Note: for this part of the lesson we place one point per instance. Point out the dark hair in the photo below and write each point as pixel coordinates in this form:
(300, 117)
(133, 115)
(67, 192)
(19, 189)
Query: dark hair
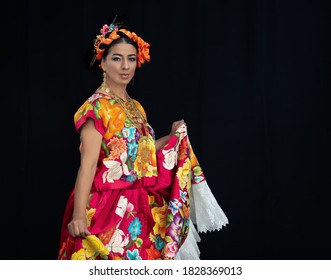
(122, 39)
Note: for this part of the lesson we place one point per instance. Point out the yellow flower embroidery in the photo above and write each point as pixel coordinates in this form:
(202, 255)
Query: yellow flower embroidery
(94, 246)
(89, 215)
(184, 174)
(145, 163)
(151, 199)
(79, 255)
(159, 216)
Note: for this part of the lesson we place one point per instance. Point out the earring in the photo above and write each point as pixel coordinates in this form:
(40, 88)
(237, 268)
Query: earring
(104, 77)
(104, 85)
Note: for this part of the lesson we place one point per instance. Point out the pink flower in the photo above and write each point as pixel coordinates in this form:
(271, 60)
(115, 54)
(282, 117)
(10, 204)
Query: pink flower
(104, 29)
(129, 207)
(171, 249)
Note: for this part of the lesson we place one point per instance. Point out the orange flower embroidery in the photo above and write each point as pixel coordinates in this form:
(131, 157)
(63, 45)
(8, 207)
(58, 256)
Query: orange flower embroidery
(117, 146)
(153, 253)
(107, 235)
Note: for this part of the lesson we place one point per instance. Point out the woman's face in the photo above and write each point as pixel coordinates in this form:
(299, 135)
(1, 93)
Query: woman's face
(120, 64)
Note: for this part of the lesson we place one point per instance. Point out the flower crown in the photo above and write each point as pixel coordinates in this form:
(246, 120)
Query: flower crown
(111, 32)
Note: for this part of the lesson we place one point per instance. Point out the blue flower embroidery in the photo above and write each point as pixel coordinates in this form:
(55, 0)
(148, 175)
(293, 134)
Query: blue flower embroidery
(133, 255)
(183, 195)
(174, 205)
(131, 178)
(129, 133)
(132, 150)
(135, 228)
(159, 243)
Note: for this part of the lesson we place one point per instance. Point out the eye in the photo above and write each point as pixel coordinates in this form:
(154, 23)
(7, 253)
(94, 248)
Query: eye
(116, 58)
(133, 58)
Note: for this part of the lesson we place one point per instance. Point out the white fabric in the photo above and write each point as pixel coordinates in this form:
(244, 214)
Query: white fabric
(204, 209)
(206, 214)
(189, 250)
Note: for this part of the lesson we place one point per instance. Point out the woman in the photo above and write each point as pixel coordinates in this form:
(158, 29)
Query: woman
(135, 197)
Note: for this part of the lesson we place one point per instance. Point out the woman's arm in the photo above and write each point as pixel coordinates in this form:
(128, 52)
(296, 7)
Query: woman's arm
(90, 149)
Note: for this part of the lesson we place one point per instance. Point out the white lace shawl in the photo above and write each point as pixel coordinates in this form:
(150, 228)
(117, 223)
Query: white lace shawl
(206, 214)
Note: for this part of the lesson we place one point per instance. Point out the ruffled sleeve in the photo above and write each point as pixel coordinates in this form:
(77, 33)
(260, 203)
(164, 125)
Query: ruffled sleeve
(199, 209)
(205, 210)
(92, 108)
(205, 215)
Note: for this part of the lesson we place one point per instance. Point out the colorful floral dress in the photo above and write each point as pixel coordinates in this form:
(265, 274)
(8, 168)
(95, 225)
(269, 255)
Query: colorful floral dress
(141, 203)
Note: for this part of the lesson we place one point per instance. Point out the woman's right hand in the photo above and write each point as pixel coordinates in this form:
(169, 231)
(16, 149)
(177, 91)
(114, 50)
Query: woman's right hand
(77, 227)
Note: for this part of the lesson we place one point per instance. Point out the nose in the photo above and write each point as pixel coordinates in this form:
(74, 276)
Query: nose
(125, 64)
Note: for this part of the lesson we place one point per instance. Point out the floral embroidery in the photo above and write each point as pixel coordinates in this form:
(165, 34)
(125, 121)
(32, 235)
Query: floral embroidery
(174, 206)
(145, 163)
(184, 173)
(175, 228)
(129, 209)
(153, 253)
(159, 215)
(115, 169)
(107, 235)
(135, 228)
(183, 195)
(133, 255)
(113, 118)
(118, 241)
(94, 247)
(132, 150)
(94, 96)
(117, 147)
(129, 133)
(159, 243)
(171, 249)
(170, 158)
(121, 206)
(89, 215)
(120, 137)
(79, 255)
(186, 212)
(197, 174)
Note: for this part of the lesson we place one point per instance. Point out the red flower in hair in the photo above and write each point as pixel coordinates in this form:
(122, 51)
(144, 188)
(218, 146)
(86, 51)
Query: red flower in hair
(143, 47)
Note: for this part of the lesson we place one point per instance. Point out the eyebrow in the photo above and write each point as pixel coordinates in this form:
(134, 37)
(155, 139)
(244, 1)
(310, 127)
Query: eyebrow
(122, 55)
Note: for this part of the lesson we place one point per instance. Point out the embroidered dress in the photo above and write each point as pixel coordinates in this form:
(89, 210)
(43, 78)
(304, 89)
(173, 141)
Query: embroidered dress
(143, 204)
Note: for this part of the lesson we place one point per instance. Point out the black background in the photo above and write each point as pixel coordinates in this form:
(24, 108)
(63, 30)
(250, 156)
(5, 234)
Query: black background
(250, 78)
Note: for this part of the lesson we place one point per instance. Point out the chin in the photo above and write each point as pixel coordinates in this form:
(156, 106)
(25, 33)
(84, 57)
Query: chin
(125, 83)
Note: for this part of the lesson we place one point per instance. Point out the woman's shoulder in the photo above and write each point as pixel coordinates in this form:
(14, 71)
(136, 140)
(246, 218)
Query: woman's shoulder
(96, 101)
(97, 95)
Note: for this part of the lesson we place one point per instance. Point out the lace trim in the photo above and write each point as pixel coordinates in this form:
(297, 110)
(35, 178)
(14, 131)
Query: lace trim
(190, 250)
(206, 214)
(204, 209)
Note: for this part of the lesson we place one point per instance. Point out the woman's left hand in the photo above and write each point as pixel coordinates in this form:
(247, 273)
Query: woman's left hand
(176, 125)
(163, 140)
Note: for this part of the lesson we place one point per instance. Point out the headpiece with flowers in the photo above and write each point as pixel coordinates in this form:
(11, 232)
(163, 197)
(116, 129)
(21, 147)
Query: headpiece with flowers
(111, 32)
